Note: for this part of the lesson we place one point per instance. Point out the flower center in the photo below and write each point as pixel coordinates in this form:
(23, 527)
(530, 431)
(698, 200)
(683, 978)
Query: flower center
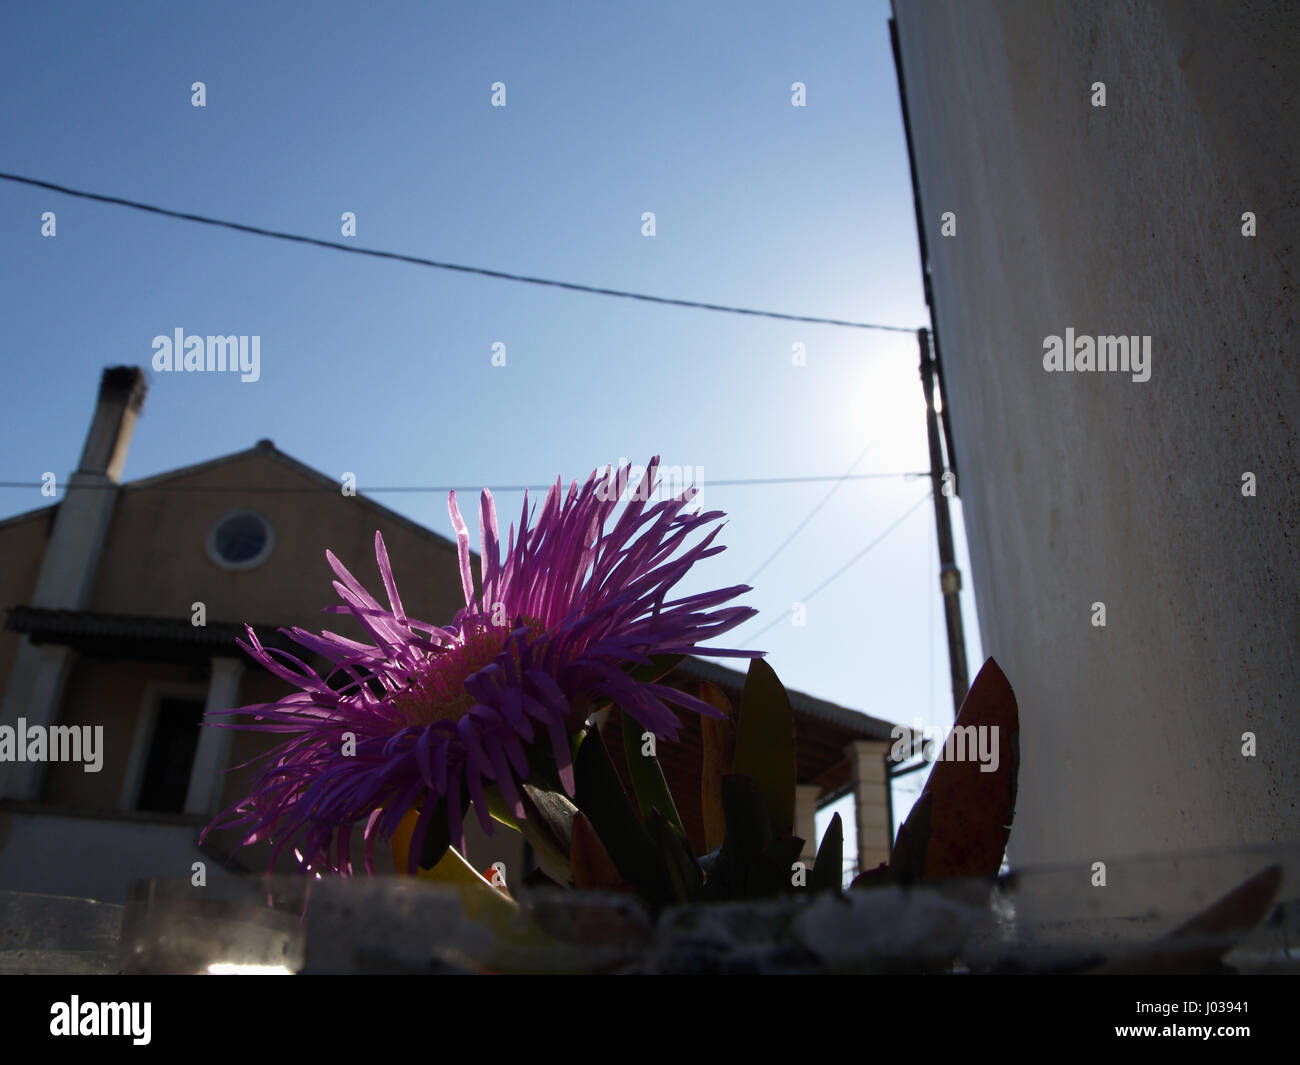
(438, 693)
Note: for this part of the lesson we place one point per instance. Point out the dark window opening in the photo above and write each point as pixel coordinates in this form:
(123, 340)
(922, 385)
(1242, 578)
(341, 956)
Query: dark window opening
(171, 755)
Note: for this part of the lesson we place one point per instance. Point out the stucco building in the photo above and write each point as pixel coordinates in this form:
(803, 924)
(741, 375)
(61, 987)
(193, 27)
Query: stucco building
(1126, 170)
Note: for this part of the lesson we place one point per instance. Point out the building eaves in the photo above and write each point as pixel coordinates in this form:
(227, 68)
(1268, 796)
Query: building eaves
(45, 625)
(862, 725)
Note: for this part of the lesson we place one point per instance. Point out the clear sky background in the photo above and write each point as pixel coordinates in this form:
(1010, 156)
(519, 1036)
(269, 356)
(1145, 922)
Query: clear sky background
(385, 370)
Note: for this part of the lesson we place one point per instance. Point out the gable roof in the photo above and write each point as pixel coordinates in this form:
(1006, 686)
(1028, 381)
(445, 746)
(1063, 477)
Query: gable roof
(262, 449)
(266, 449)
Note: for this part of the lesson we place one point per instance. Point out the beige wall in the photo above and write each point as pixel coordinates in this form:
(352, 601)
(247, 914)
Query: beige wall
(155, 563)
(108, 693)
(22, 546)
(155, 559)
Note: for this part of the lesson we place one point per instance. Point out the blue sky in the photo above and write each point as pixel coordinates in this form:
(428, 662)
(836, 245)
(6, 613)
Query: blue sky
(385, 370)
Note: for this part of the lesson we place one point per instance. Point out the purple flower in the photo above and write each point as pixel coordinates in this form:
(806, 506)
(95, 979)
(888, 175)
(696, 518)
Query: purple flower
(424, 715)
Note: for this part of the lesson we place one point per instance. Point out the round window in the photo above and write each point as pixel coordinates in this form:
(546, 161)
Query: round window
(241, 540)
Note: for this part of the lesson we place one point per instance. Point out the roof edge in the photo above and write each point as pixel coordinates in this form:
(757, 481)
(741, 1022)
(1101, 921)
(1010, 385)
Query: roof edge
(266, 449)
(29, 515)
(865, 725)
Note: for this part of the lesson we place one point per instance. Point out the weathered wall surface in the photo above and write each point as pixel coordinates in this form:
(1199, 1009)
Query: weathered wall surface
(1089, 487)
(155, 561)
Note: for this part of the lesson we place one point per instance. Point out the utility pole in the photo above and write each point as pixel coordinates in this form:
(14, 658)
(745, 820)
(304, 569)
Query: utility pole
(944, 485)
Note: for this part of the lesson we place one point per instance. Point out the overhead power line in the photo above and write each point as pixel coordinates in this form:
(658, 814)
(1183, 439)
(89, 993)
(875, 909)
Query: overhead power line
(440, 488)
(434, 264)
(844, 568)
(839, 481)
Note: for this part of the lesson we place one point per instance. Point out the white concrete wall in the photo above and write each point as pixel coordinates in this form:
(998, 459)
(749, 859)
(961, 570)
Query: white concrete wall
(1086, 488)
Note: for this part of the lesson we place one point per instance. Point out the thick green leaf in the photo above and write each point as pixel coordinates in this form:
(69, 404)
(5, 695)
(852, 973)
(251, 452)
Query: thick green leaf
(480, 900)
(606, 805)
(719, 739)
(437, 837)
(876, 877)
(752, 862)
(908, 862)
(749, 823)
(593, 869)
(499, 808)
(658, 668)
(684, 874)
(972, 810)
(542, 771)
(772, 873)
(648, 783)
(828, 869)
(960, 825)
(548, 828)
(765, 744)
(749, 830)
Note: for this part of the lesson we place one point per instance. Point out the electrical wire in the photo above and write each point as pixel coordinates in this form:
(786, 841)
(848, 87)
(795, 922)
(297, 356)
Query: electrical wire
(417, 260)
(443, 488)
(808, 517)
(844, 568)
